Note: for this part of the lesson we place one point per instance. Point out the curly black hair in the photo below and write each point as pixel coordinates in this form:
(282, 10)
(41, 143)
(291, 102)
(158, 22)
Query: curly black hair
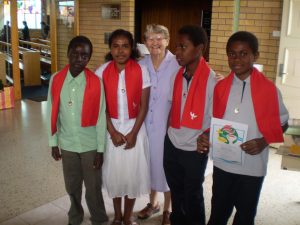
(196, 34)
(244, 36)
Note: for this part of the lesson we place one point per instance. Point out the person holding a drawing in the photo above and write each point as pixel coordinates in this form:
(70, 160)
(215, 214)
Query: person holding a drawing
(249, 113)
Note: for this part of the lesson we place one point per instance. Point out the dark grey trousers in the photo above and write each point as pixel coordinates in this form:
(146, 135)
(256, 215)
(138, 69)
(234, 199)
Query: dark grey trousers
(78, 168)
(234, 190)
(185, 175)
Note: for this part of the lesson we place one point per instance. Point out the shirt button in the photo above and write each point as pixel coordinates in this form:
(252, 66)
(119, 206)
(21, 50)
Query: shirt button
(73, 89)
(154, 87)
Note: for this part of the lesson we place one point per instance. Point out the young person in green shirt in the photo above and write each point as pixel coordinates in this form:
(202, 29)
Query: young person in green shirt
(77, 128)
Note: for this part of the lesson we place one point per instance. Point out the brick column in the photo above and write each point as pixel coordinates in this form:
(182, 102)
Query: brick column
(258, 17)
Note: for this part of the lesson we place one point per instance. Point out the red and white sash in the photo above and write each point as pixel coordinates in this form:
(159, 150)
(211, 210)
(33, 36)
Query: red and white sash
(133, 82)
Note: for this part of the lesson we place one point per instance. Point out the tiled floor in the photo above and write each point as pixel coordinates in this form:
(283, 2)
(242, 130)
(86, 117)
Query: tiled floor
(55, 213)
(32, 190)
(29, 177)
(31, 182)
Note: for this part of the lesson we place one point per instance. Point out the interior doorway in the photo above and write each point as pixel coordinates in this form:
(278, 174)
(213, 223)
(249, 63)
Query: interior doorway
(173, 14)
(288, 75)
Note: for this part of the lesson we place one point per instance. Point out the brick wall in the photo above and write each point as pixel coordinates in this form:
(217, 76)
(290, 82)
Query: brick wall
(221, 29)
(93, 26)
(259, 17)
(65, 32)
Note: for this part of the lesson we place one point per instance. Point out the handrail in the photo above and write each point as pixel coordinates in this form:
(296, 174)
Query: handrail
(24, 49)
(5, 43)
(9, 44)
(44, 58)
(46, 42)
(35, 44)
(27, 42)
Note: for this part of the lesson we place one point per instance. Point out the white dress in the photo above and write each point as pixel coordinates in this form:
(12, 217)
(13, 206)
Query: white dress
(126, 172)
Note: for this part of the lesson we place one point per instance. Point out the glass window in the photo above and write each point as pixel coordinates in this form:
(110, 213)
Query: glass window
(29, 11)
(6, 11)
(66, 12)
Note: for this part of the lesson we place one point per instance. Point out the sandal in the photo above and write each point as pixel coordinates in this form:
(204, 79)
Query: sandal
(134, 223)
(130, 222)
(148, 211)
(116, 222)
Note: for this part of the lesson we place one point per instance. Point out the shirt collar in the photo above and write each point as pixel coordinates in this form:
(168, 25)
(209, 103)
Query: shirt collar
(239, 81)
(168, 57)
(79, 79)
(188, 79)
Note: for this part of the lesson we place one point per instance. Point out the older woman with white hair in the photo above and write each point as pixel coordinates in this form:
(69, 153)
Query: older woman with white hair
(162, 65)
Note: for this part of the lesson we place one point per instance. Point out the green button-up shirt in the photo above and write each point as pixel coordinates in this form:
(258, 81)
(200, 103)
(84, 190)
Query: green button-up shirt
(70, 135)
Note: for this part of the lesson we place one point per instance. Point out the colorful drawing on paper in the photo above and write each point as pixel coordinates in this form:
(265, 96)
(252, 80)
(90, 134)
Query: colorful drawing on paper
(228, 135)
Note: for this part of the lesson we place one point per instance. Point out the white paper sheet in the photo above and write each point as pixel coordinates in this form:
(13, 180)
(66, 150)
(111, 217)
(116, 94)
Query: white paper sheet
(226, 138)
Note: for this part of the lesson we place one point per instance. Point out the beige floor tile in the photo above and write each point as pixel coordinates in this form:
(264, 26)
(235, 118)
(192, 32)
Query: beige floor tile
(63, 203)
(14, 221)
(42, 213)
(29, 177)
(59, 218)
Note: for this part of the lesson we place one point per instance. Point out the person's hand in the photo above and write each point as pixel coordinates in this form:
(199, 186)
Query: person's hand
(130, 140)
(118, 139)
(219, 77)
(56, 153)
(203, 143)
(98, 161)
(254, 146)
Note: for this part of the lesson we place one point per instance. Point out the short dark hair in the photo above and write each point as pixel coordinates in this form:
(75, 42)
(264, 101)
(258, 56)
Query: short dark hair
(135, 54)
(80, 40)
(244, 36)
(196, 34)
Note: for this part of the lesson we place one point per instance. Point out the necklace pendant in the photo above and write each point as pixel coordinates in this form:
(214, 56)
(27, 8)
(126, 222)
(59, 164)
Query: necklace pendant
(123, 90)
(236, 110)
(70, 103)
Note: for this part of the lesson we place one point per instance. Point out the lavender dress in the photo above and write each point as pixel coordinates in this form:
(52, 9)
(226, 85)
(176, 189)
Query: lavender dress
(156, 120)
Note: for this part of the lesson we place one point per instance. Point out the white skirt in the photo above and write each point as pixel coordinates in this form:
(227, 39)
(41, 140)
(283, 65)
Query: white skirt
(126, 172)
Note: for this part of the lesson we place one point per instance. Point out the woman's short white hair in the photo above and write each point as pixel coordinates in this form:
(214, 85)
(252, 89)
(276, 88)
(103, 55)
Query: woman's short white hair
(156, 29)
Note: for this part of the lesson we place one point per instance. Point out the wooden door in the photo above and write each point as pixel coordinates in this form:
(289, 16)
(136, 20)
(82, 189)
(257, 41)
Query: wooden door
(173, 14)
